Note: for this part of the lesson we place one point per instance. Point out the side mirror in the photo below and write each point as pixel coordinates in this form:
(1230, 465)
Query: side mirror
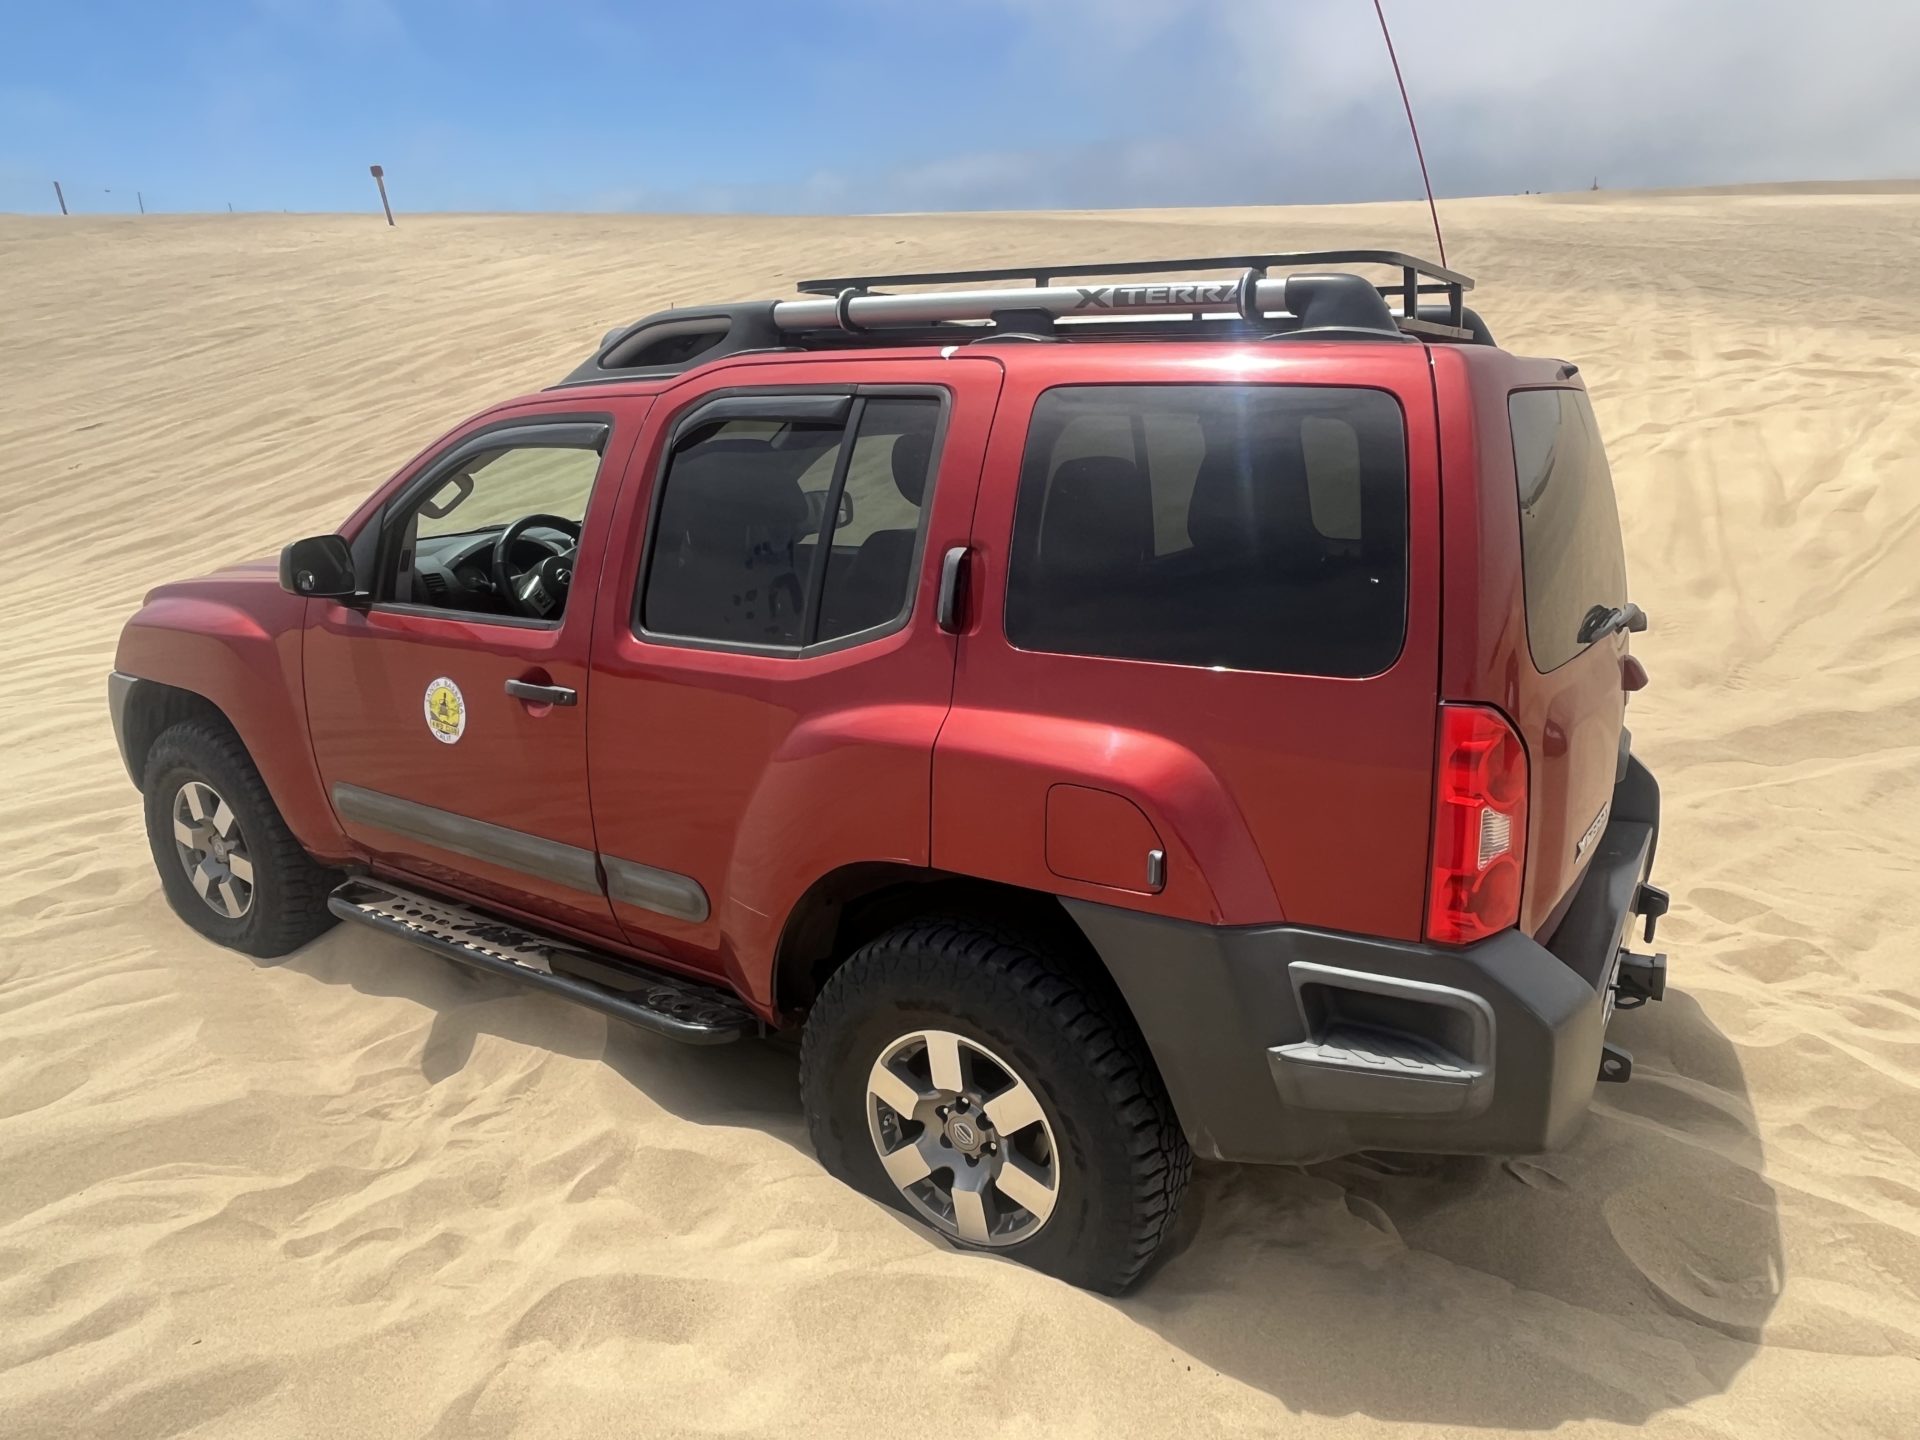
(320, 567)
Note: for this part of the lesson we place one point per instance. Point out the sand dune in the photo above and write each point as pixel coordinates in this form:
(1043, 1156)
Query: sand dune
(361, 1192)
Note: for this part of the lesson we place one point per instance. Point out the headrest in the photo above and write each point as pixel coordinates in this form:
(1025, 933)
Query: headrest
(1245, 495)
(912, 453)
(1099, 515)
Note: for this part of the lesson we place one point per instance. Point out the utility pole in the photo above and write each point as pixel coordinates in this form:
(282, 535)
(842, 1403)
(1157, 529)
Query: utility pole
(380, 179)
(142, 201)
(60, 197)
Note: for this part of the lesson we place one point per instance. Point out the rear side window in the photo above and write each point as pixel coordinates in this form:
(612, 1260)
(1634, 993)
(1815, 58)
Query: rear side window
(1569, 524)
(783, 534)
(1253, 527)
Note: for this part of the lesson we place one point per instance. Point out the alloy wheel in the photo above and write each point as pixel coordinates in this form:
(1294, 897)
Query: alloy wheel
(212, 849)
(963, 1137)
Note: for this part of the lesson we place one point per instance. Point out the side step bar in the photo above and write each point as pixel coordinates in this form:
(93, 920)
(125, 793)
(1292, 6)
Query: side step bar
(667, 1005)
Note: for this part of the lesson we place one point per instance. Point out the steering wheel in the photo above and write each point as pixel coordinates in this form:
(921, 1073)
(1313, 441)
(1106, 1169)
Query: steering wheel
(541, 590)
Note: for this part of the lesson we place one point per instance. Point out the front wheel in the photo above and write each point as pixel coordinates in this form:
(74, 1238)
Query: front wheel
(230, 867)
(951, 1071)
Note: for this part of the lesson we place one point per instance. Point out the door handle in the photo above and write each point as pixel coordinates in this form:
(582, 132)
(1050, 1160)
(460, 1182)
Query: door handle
(953, 585)
(541, 694)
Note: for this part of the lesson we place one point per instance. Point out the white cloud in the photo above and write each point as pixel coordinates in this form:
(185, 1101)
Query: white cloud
(1276, 100)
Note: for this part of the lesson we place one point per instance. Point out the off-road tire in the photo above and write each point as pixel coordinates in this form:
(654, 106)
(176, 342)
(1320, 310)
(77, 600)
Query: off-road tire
(1123, 1161)
(289, 899)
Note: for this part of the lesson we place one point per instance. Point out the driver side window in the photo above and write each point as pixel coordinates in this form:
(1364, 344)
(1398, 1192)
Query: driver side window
(495, 534)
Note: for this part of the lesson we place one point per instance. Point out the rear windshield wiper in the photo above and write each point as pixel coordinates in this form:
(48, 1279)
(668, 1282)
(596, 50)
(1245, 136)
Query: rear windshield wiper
(1605, 620)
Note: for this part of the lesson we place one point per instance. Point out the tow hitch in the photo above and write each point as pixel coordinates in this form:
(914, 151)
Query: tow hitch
(1639, 979)
(1636, 980)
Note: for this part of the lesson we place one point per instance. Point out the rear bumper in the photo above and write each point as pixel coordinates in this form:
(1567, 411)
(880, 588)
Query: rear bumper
(1283, 1044)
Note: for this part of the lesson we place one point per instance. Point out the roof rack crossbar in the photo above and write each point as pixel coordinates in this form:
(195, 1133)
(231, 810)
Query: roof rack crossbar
(1248, 296)
(864, 301)
(1045, 275)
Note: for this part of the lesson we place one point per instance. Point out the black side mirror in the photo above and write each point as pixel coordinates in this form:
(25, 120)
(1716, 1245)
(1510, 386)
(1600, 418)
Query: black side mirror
(318, 567)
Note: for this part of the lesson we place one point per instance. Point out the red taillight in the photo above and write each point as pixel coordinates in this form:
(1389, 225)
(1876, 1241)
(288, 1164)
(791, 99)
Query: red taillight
(1479, 826)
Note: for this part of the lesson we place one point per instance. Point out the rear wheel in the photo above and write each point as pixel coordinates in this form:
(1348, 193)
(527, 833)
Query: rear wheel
(228, 864)
(951, 1071)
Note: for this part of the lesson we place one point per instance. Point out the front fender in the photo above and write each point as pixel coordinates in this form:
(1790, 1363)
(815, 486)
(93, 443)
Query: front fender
(234, 640)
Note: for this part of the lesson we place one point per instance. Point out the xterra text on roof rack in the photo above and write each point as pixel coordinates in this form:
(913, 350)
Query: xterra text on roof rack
(1116, 720)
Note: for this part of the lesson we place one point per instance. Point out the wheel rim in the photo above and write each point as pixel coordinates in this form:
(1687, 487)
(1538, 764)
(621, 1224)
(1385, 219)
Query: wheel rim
(212, 849)
(963, 1137)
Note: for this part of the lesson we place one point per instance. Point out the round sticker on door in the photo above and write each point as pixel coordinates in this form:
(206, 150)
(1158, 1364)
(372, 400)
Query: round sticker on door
(446, 710)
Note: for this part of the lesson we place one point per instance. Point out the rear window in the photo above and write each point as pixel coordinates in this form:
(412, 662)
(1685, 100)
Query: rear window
(1569, 524)
(1252, 527)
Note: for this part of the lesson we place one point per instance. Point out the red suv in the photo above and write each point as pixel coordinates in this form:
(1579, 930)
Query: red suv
(1111, 721)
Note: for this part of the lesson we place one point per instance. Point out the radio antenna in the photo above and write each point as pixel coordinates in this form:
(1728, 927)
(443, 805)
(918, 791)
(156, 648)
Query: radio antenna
(1415, 129)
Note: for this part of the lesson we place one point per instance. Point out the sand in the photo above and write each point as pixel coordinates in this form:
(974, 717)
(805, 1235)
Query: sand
(362, 1192)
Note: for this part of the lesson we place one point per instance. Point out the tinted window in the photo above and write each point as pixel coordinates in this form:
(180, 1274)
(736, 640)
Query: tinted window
(1569, 524)
(1255, 527)
(785, 533)
(877, 524)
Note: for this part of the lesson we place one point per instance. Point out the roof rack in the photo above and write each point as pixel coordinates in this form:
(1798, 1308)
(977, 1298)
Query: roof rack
(854, 310)
(1417, 277)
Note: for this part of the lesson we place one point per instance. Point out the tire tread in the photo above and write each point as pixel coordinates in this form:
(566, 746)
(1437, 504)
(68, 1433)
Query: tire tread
(301, 885)
(978, 957)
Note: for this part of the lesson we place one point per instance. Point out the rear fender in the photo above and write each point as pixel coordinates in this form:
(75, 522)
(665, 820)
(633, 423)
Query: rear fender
(996, 778)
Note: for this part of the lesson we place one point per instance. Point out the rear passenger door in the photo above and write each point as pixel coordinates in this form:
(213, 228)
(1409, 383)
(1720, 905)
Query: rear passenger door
(1202, 671)
(769, 674)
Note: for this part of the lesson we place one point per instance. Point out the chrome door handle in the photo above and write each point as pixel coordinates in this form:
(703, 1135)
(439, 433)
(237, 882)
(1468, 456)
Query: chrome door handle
(541, 694)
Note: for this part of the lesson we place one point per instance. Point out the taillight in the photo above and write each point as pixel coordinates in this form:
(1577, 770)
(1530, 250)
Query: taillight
(1479, 826)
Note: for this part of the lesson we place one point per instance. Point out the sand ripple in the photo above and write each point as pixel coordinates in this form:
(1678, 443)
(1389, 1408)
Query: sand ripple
(362, 1193)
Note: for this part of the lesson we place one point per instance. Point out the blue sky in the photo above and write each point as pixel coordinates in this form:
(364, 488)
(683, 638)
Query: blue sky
(860, 105)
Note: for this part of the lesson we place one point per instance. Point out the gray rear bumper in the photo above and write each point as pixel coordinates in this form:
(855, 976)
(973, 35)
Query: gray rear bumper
(1285, 1044)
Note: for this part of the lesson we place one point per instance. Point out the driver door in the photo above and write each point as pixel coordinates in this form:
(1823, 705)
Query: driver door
(448, 716)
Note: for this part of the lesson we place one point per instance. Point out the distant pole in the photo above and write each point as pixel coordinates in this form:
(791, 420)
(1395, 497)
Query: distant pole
(380, 179)
(229, 207)
(142, 201)
(60, 197)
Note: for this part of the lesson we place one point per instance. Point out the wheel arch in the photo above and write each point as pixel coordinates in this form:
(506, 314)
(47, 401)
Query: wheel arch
(848, 906)
(145, 709)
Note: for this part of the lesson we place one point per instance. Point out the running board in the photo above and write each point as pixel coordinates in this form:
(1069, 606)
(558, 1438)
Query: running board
(679, 1009)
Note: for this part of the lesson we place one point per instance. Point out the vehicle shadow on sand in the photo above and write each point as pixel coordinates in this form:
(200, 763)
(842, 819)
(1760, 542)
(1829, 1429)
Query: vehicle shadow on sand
(1629, 1274)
